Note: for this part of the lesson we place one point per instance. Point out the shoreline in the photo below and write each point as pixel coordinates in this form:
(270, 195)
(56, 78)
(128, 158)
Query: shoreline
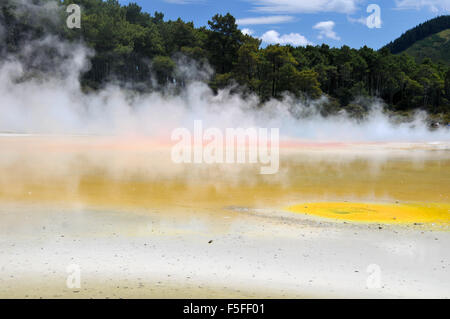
(128, 217)
(159, 255)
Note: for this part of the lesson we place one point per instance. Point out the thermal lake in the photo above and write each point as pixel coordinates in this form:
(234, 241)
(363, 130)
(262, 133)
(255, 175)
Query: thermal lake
(139, 225)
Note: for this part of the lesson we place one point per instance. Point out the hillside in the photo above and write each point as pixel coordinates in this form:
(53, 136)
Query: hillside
(427, 40)
(420, 32)
(436, 47)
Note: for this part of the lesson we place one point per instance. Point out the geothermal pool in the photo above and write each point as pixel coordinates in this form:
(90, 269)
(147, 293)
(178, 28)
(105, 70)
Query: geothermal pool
(332, 219)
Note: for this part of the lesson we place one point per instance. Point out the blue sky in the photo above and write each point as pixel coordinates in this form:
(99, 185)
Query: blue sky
(299, 22)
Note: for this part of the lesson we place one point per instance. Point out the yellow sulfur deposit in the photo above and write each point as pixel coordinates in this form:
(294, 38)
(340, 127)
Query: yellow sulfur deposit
(438, 213)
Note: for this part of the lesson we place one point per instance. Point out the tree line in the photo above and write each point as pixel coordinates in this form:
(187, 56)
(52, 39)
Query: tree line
(131, 45)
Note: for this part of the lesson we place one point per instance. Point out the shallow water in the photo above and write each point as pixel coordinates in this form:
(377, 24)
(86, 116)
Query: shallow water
(140, 226)
(137, 173)
(398, 213)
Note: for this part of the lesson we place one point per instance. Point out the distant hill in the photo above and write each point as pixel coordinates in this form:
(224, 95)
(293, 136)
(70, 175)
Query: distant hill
(436, 47)
(427, 40)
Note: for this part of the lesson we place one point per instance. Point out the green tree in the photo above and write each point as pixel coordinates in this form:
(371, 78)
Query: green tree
(163, 68)
(223, 42)
(275, 57)
(246, 67)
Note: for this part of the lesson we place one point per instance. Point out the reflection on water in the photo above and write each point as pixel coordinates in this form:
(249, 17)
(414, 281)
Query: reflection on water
(102, 172)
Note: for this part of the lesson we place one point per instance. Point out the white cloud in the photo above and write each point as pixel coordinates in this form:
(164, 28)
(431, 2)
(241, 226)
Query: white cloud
(295, 39)
(247, 31)
(265, 20)
(433, 5)
(306, 6)
(362, 20)
(326, 30)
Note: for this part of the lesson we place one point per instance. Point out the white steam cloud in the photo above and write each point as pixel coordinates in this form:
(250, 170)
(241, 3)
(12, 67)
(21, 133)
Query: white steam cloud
(52, 102)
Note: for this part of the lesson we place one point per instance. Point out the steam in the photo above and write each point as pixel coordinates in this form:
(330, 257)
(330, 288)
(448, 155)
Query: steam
(40, 93)
(40, 13)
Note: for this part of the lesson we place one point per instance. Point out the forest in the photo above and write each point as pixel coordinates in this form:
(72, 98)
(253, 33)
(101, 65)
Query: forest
(132, 46)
